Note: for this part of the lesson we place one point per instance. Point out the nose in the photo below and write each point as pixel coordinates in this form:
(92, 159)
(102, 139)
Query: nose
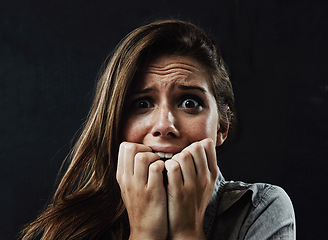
(165, 123)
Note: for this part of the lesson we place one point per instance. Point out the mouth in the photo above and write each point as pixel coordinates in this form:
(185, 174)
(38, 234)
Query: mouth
(164, 156)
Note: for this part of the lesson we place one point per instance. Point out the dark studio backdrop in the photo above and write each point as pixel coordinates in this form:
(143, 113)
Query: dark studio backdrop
(50, 54)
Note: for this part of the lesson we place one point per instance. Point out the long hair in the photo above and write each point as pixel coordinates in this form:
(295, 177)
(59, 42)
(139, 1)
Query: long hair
(87, 203)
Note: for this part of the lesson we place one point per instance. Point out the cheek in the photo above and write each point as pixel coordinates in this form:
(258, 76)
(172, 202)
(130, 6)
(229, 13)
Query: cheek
(130, 130)
(203, 127)
(133, 130)
(212, 129)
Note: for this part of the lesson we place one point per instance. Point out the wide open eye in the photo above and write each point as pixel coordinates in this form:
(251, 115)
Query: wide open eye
(190, 103)
(141, 104)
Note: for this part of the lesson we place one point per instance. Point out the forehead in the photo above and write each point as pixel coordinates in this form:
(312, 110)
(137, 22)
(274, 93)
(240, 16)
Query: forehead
(172, 69)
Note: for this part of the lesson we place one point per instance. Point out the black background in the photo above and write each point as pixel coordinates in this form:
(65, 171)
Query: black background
(51, 52)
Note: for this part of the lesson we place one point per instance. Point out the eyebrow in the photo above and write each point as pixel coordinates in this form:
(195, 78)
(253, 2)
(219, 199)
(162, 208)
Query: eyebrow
(180, 86)
(186, 87)
(143, 91)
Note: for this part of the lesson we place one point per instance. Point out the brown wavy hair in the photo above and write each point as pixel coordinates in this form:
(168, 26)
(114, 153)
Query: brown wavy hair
(87, 203)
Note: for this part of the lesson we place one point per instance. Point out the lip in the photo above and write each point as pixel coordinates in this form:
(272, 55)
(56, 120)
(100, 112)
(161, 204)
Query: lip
(166, 149)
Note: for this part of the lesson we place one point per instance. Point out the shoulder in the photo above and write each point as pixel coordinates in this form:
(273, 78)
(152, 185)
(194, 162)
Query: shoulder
(260, 192)
(257, 193)
(271, 215)
(255, 211)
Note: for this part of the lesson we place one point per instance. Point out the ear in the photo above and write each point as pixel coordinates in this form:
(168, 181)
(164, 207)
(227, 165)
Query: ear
(223, 129)
(222, 133)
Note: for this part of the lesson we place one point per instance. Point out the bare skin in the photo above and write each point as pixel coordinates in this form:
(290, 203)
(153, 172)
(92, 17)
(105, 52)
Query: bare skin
(173, 112)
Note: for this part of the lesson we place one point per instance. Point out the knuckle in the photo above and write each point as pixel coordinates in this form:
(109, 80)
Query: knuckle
(156, 167)
(130, 147)
(208, 142)
(187, 157)
(123, 145)
(119, 179)
(173, 166)
(197, 146)
(141, 158)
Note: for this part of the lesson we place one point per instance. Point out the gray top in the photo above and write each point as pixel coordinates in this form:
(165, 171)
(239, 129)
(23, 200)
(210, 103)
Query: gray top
(248, 211)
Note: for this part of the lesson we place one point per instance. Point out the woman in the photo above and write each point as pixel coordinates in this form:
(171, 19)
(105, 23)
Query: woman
(145, 164)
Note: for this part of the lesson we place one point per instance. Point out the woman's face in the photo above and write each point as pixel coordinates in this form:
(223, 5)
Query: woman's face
(171, 106)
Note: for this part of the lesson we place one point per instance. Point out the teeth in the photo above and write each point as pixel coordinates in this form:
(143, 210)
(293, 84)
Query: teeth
(161, 154)
(164, 155)
(168, 155)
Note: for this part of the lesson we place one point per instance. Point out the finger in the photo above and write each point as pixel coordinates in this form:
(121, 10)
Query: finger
(199, 157)
(174, 174)
(129, 152)
(155, 175)
(142, 162)
(120, 163)
(210, 151)
(187, 166)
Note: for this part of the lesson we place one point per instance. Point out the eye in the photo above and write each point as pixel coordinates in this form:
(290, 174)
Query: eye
(141, 104)
(189, 103)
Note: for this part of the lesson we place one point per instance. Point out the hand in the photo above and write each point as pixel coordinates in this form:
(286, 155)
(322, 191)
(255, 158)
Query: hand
(140, 176)
(191, 177)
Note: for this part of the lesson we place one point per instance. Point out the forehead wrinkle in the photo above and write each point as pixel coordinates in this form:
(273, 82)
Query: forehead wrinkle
(170, 68)
(171, 71)
(171, 79)
(158, 81)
